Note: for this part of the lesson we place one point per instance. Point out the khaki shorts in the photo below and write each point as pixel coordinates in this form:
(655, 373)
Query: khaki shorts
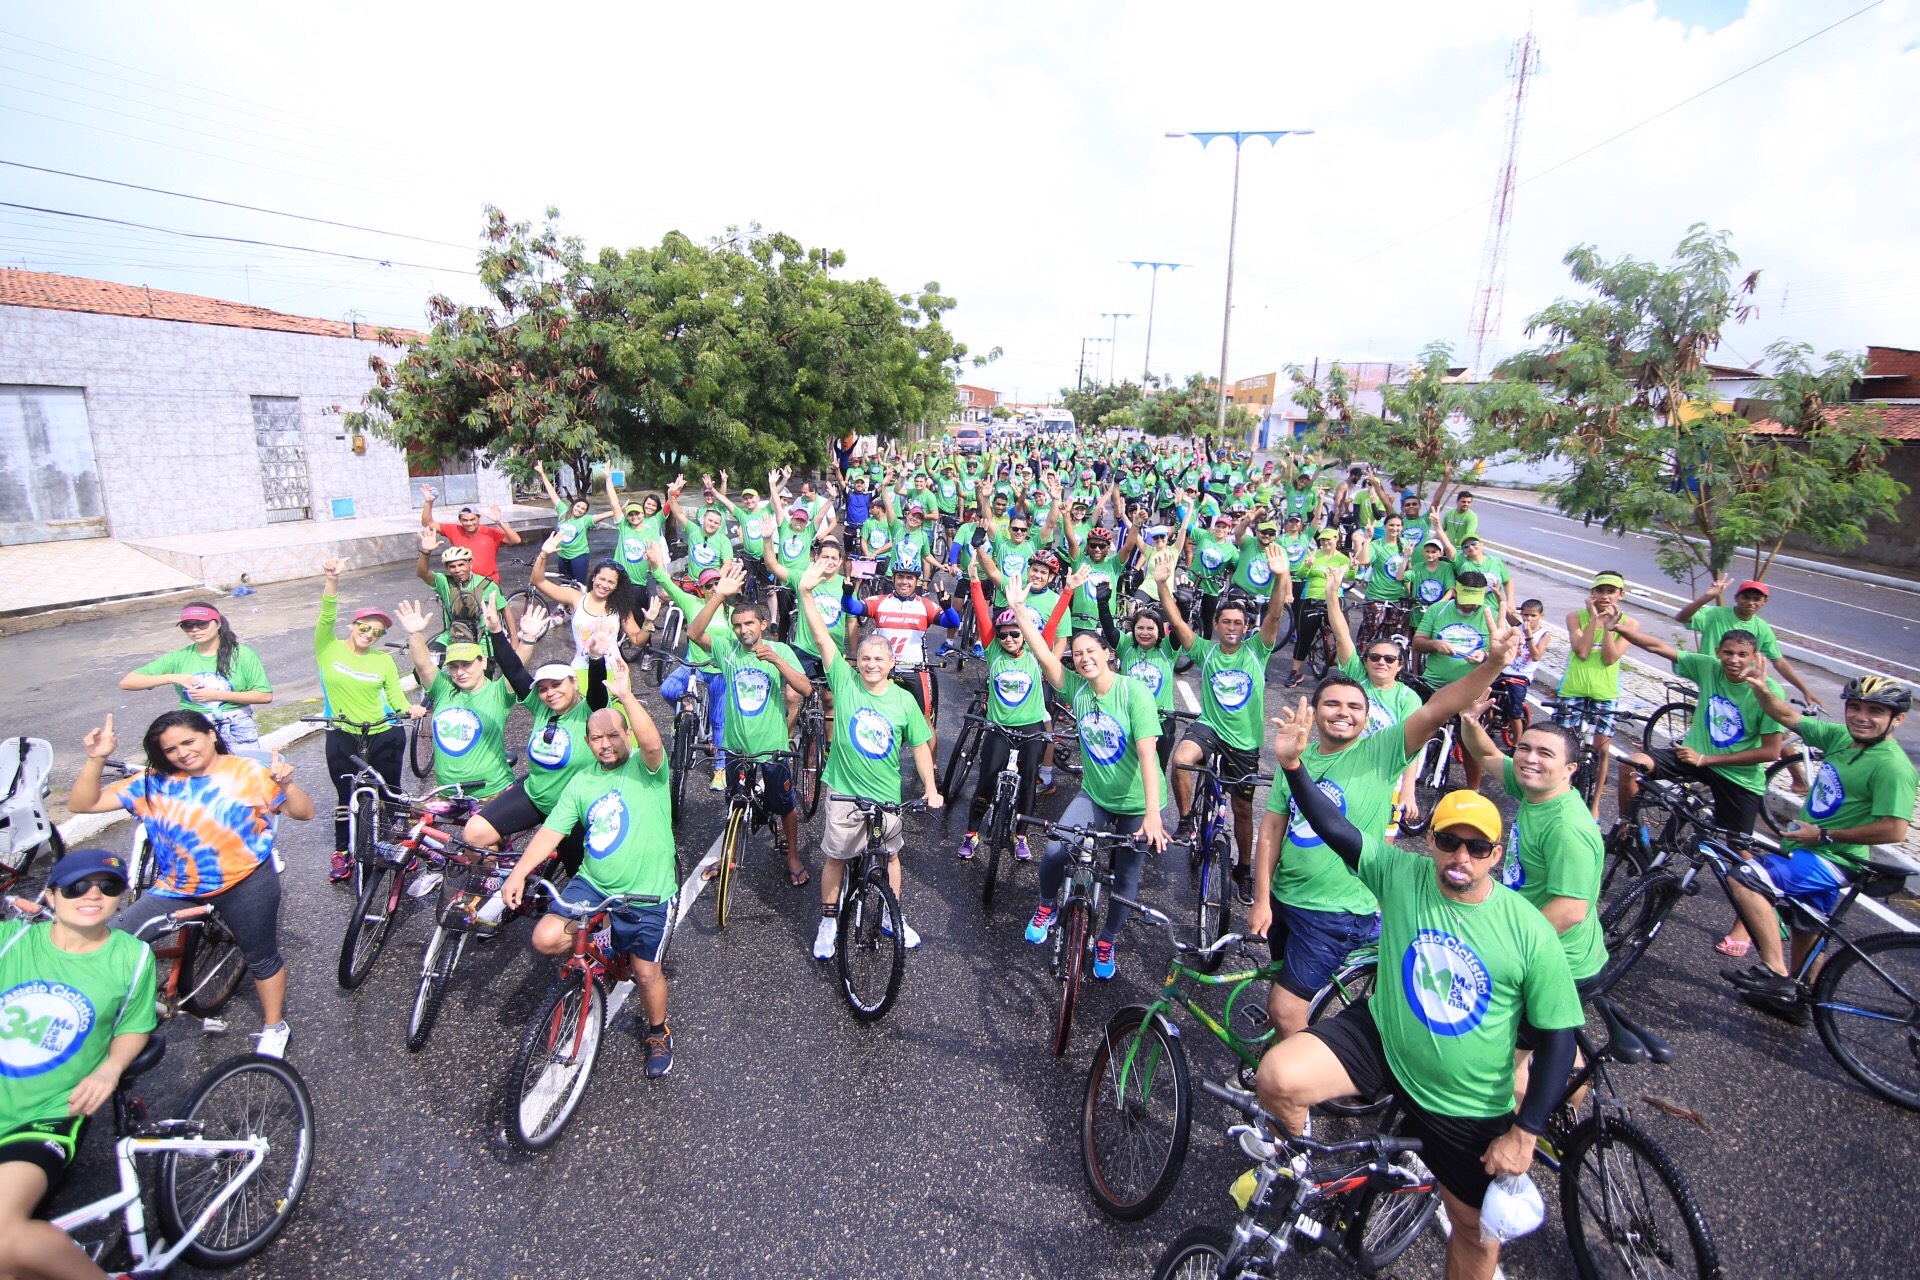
(845, 833)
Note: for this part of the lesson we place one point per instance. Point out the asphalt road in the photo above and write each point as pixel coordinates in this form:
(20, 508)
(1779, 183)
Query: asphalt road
(790, 1141)
(1878, 622)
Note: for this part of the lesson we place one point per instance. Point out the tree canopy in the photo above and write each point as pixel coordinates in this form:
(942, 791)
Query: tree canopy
(1181, 409)
(745, 352)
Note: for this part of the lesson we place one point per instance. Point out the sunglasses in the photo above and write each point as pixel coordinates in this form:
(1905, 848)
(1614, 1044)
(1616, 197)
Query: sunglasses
(1447, 842)
(111, 886)
(194, 624)
(1383, 657)
(370, 628)
(1016, 528)
(1011, 633)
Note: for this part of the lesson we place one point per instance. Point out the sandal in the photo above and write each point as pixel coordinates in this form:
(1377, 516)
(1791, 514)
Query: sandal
(799, 878)
(1731, 946)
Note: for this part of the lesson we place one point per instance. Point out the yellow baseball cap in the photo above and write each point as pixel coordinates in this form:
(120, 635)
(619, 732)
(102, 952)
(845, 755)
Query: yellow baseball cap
(1466, 809)
(465, 652)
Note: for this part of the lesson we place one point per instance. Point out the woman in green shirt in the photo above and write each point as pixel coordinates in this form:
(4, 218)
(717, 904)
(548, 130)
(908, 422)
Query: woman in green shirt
(360, 685)
(572, 521)
(215, 674)
(468, 712)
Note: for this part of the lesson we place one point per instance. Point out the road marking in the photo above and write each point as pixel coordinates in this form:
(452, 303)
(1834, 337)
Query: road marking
(1897, 617)
(1551, 533)
(1187, 696)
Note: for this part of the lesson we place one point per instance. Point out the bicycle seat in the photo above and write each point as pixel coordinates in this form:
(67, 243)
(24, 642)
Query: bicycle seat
(451, 806)
(146, 1060)
(1887, 870)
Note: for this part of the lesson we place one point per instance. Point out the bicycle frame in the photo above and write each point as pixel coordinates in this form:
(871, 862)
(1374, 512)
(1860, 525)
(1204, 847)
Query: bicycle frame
(128, 1199)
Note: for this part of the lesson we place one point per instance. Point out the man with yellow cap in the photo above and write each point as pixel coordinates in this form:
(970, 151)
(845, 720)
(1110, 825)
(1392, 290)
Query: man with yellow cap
(1453, 636)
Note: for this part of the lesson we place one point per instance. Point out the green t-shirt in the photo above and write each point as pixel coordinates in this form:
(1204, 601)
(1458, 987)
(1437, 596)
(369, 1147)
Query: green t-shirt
(1366, 508)
(1388, 579)
(1454, 982)
(572, 530)
(1466, 632)
(1385, 707)
(1085, 609)
(1489, 564)
(628, 812)
(245, 674)
(1427, 583)
(1716, 620)
(469, 735)
(755, 527)
(946, 495)
(1252, 574)
(1855, 786)
(912, 546)
(354, 686)
(1151, 667)
(1297, 546)
(1554, 850)
(794, 549)
(869, 732)
(1728, 719)
(460, 611)
(1362, 781)
(1233, 689)
(1110, 725)
(1316, 569)
(1214, 559)
(1414, 531)
(1014, 694)
(630, 549)
(1010, 558)
(554, 758)
(1460, 525)
(1304, 503)
(756, 716)
(59, 1012)
(827, 598)
(707, 551)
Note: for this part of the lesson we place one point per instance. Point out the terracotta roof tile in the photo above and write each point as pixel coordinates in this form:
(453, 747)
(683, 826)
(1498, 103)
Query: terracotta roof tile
(1896, 421)
(103, 297)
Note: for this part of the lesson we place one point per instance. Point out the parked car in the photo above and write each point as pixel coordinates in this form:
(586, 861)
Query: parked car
(971, 439)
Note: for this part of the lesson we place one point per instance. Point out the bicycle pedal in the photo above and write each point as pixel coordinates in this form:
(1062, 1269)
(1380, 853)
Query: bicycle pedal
(1255, 1015)
(213, 1026)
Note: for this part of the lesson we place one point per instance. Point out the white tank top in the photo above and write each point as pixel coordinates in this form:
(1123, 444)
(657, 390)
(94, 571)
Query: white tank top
(585, 626)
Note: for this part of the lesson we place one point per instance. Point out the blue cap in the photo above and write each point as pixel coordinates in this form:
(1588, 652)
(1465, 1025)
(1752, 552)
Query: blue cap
(81, 863)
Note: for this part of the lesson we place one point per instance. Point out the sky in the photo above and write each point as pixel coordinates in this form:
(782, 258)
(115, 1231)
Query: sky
(1016, 153)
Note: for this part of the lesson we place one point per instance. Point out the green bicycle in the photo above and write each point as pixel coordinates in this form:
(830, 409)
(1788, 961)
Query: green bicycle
(1138, 1108)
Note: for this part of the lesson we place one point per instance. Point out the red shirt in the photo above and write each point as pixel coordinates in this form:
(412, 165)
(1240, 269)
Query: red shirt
(903, 624)
(484, 542)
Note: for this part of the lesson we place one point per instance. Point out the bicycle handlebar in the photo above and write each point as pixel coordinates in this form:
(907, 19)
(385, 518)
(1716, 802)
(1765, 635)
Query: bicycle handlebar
(1019, 732)
(1255, 778)
(364, 728)
(580, 911)
(1165, 921)
(182, 916)
(865, 805)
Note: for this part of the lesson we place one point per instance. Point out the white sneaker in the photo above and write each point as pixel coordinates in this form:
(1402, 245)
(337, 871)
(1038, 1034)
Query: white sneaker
(908, 936)
(425, 885)
(824, 939)
(271, 1042)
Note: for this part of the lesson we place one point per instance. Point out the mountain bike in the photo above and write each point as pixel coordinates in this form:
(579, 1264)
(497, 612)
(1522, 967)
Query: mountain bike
(997, 820)
(747, 811)
(555, 1060)
(1586, 777)
(364, 800)
(1383, 620)
(966, 746)
(688, 740)
(1213, 849)
(810, 741)
(870, 948)
(1781, 804)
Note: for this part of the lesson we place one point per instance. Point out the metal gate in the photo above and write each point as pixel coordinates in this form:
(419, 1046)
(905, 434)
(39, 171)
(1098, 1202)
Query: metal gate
(283, 457)
(49, 489)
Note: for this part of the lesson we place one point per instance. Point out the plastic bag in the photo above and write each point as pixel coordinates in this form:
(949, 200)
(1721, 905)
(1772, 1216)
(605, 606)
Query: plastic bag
(1512, 1208)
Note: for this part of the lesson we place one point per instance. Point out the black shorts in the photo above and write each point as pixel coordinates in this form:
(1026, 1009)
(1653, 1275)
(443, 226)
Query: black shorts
(1235, 762)
(1734, 807)
(50, 1145)
(810, 664)
(1451, 1146)
(511, 812)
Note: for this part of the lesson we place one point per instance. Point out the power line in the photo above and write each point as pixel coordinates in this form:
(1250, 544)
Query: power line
(231, 204)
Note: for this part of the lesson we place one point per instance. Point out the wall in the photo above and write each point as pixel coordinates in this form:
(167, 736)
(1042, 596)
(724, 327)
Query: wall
(171, 413)
(1896, 542)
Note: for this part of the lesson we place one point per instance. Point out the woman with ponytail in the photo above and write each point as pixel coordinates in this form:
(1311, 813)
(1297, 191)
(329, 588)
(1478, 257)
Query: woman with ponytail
(215, 675)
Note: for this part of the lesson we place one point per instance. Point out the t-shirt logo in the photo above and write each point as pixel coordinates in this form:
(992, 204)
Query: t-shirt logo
(1013, 563)
(1512, 874)
(872, 733)
(1725, 724)
(1824, 797)
(1102, 737)
(1231, 689)
(1297, 554)
(877, 538)
(42, 1025)
(1147, 674)
(1212, 557)
(1378, 717)
(750, 689)
(606, 824)
(632, 550)
(1259, 572)
(1300, 832)
(1446, 985)
(1430, 590)
(455, 730)
(550, 755)
(792, 546)
(704, 554)
(1394, 564)
(828, 602)
(1012, 686)
(1463, 637)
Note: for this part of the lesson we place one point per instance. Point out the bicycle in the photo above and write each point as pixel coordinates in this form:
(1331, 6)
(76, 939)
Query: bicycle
(1780, 803)
(688, 740)
(870, 948)
(1383, 620)
(998, 818)
(555, 1060)
(1586, 777)
(966, 744)
(1137, 1111)
(810, 743)
(746, 812)
(363, 803)
(1212, 849)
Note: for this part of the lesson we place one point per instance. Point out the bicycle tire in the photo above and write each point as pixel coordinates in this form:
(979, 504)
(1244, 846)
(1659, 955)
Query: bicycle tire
(436, 972)
(965, 745)
(870, 923)
(733, 846)
(1631, 921)
(420, 744)
(1430, 783)
(992, 828)
(373, 913)
(682, 763)
(1350, 985)
(365, 837)
(1779, 806)
(1131, 1148)
(1646, 1231)
(1838, 1013)
(211, 965)
(1681, 716)
(1506, 735)
(570, 1023)
(239, 1098)
(808, 752)
(1213, 899)
(1070, 962)
(1198, 1253)
(1386, 1223)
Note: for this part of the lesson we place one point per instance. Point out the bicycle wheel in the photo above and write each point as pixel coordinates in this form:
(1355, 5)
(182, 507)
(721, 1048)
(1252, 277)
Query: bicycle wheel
(366, 835)
(1135, 1118)
(555, 1061)
(682, 762)
(442, 957)
(1198, 1253)
(1386, 1223)
(1779, 804)
(1350, 985)
(733, 847)
(871, 952)
(1667, 726)
(1214, 899)
(1069, 964)
(1626, 1209)
(994, 825)
(1430, 782)
(420, 744)
(373, 915)
(1870, 1021)
(1505, 734)
(245, 1097)
(210, 968)
(1630, 922)
(960, 762)
(807, 779)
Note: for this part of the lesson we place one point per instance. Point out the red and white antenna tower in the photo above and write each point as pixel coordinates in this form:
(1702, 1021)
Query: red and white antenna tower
(1492, 286)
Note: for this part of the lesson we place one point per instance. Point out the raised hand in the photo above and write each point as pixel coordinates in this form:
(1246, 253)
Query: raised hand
(733, 577)
(552, 544)
(1479, 706)
(333, 566)
(619, 680)
(1078, 578)
(412, 616)
(1336, 573)
(1015, 585)
(812, 576)
(1290, 733)
(493, 512)
(656, 554)
(534, 620)
(597, 645)
(428, 541)
(99, 743)
(489, 616)
(1502, 643)
(280, 771)
(1163, 565)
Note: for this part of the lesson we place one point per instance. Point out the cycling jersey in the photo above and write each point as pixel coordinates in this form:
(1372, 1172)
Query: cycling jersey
(903, 624)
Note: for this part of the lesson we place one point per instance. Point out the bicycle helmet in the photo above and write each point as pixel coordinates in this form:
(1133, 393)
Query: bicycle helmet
(1878, 691)
(1100, 533)
(455, 555)
(1046, 560)
(1005, 618)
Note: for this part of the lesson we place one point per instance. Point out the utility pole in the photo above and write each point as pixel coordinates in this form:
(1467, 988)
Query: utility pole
(1146, 363)
(1113, 350)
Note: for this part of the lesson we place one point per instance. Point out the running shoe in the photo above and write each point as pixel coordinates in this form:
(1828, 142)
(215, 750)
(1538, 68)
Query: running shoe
(271, 1042)
(823, 939)
(1020, 851)
(659, 1052)
(342, 868)
(1042, 923)
(1102, 959)
(968, 845)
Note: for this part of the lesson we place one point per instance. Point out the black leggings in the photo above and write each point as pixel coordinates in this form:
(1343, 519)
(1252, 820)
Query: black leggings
(512, 812)
(993, 758)
(1313, 616)
(1169, 733)
(1207, 605)
(250, 909)
(386, 752)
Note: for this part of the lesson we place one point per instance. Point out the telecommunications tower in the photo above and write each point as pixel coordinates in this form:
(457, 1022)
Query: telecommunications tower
(1488, 292)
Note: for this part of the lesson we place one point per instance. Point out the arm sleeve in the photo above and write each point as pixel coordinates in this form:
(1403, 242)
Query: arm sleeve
(947, 617)
(1324, 816)
(323, 625)
(596, 686)
(980, 615)
(1108, 627)
(1053, 621)
(512, 669)
(1547, 1080)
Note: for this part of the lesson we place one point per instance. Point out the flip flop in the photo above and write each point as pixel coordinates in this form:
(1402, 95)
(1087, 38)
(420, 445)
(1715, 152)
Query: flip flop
(799, 878)
(1732, 947)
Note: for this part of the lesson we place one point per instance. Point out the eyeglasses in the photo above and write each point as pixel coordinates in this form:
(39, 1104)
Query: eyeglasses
(1383, 657)
(111, 886)
(1011, 633)
(1017, 528)
(1479, 850)
(370, 628)
(194, 624)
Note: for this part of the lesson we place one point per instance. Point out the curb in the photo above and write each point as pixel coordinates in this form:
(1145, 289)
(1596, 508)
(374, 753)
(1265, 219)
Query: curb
(1793, 562)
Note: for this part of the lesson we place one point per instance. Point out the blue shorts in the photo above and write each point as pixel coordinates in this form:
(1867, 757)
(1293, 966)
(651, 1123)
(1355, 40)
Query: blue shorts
(1804, 876)
(638, 931)
(1314, 944)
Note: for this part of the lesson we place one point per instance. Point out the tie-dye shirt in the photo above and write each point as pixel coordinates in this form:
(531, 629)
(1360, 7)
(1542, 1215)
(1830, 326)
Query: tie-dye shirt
(209, 833)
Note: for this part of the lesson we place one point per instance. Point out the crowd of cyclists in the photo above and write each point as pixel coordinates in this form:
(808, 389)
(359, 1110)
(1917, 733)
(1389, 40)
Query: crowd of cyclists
(1083, 576)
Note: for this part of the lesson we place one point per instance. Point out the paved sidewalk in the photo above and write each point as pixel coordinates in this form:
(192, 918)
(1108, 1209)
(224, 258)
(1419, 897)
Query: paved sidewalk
(37, 576)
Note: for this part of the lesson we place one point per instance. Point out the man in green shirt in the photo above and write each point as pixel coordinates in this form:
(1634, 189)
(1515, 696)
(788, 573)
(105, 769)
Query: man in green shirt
(1463, 521)
(624, 805)
(1428, 581)
(1712, 621)
(1467, 968)
(462, 592)
(1862, 796)
(469, 711)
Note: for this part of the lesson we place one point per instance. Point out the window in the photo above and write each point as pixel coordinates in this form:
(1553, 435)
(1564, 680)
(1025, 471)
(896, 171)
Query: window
(49, 490)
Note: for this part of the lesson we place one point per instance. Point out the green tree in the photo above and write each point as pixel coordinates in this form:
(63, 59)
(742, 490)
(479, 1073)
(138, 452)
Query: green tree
(741, 353)
(1620, 394)
(1094, 405)
(1431, 427)
(1184, 409)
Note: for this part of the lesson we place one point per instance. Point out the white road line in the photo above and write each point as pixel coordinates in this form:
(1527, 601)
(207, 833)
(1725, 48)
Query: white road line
(1554, 533)
(1897, 921)
(1897, 617)
(1187, 695)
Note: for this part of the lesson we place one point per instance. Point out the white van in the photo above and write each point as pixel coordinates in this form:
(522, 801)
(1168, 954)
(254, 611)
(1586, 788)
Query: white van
(1056, 420)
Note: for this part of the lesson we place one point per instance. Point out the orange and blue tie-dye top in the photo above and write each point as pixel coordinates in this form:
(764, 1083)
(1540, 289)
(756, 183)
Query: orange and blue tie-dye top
(207, 834)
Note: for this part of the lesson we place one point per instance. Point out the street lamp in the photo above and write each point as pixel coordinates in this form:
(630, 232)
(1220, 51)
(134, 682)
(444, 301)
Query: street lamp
(1146, 364)
(1238, 137)
(1113, 350)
